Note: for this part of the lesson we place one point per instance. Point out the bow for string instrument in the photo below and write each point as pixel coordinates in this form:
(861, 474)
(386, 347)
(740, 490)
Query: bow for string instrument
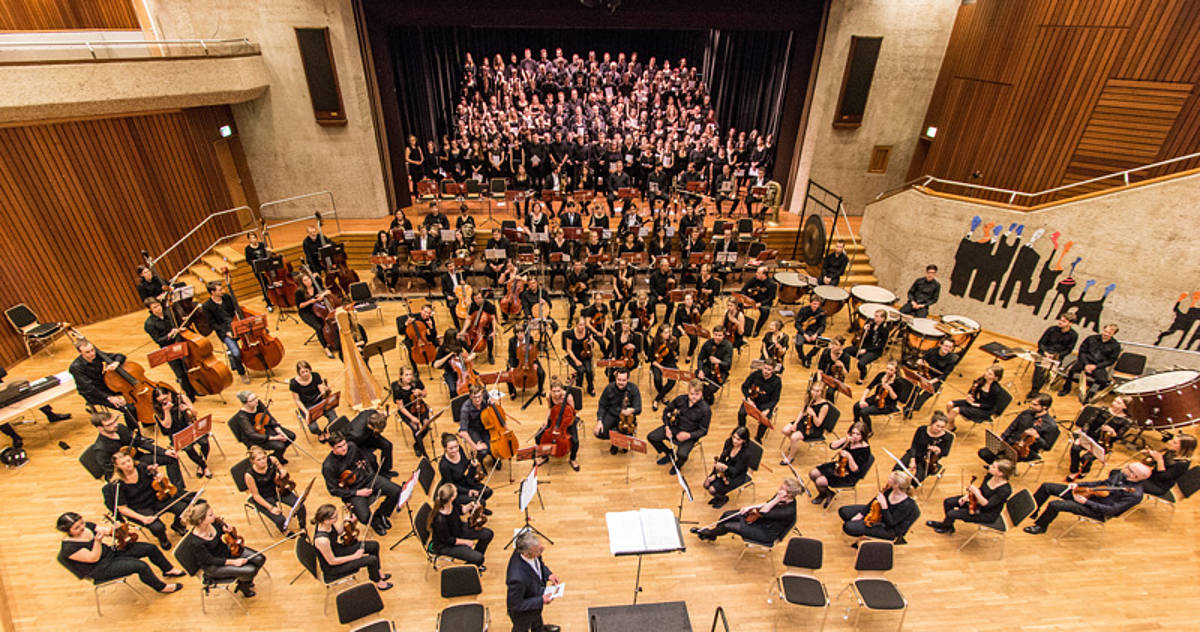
(477, 517)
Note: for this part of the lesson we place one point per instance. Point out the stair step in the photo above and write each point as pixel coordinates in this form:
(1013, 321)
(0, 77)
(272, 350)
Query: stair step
(230, 253)
(216, 262)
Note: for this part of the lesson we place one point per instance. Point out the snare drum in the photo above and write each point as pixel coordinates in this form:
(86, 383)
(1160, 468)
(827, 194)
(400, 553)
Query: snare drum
(866, 313)
(832, 298)
(790, 286)
(922, 335)
(963, 331)
(1164, 400)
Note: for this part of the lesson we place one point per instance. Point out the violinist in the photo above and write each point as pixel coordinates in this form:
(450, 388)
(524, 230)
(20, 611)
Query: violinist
(309, 292)
(254, 251)
(450, 534)
(212, 553)
(470, 427)
(775, 345)
(558, 397)
(623, 280)
(593, 247)
(762, 289)
(662, 351)
(261, 480)
(386, 275)
(734, 322)
(1123, 492)
(566, 250)
(625, 343)
(131, 497)
(596, 317)
(425, 315)
(631, 246)
(88, 370)
(834, 361)
(409, 393)
(988, 499)
(113, 438)
(981, 397)
(578, 289)
(481, 305)
(850, 465)
(688, 314)
(401, 223)
(451, 279)
(494, 268)
(352, 477)
(424, 239)
(810, 424)
(268, 434)
(871, 342)
(222, 309)
(450, 353)
(881, 397)
(685, 421)
(174, 413)
(937, 363)
(1168, 465)
(708, 287)
(463, 472)
(85, 554)
(1101, 425)
(774, 517)
(620, 397)
(522, 336)
(309, 389)
(165, 335)
(897, 512)
(151, 286)
(810, 324)
(366, 431)
(730, 469)
(642, 314)
(1033, 429)
(763, 388)
(579, 347)
(929, 445)
(535, 302)
(661, 281)
(339, 558)
(713, 363)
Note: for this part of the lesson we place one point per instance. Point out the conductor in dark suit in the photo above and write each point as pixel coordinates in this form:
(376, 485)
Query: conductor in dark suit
(526, 578)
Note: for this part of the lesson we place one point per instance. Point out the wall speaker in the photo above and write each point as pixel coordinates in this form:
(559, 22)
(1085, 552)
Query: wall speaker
(856, 83)
(316, 54)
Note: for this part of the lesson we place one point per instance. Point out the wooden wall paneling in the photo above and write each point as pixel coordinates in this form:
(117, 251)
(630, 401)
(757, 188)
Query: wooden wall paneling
(64, 15)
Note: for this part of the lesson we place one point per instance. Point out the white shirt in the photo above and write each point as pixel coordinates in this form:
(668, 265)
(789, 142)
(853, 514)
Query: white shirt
(535, 565)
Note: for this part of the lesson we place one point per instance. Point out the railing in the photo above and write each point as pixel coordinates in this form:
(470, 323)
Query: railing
(50, 50)
(299, 208)
(1029, 199)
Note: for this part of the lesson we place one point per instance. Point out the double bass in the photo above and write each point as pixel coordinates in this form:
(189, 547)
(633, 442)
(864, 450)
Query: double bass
(338, 273)
(281, 286)
(260, 350)
(129, 381)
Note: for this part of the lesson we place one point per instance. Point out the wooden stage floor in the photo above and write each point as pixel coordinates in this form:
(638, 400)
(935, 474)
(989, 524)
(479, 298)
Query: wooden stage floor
(1135, 574)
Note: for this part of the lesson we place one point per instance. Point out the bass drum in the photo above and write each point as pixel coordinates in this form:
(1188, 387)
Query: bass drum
(1164, 400)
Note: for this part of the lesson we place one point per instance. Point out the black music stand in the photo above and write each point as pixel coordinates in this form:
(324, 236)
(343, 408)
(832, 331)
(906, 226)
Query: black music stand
(524, 499)
(406, 493)
(380, 348)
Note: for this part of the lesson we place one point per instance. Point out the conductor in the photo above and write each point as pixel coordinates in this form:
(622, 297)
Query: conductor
(526, 578)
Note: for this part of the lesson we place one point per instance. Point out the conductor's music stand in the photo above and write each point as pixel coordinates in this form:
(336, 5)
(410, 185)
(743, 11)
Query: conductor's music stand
(525, 494)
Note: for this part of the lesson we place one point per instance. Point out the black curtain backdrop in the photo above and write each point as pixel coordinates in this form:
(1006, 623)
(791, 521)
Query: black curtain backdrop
(746, 71)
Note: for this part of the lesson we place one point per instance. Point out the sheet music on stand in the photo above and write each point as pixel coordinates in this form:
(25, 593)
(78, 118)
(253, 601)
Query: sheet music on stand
(409, 235)
(727, 257)
(529, 488)
(1089, 444)
(495, 254)
(643, 232)
(998, 447)
(643, 532)
(182, 292)
(447, 235)
(195, 431)
(542, 237)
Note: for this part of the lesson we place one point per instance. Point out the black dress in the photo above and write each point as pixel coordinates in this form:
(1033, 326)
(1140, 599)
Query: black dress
(861, 456)
(738, 472)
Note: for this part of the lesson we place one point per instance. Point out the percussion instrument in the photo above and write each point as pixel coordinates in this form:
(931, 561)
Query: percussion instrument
(862, 294)
(962, 331)
(922, 335)
(832, 298)
(866, 312)
(791, 286)
(1164, 400)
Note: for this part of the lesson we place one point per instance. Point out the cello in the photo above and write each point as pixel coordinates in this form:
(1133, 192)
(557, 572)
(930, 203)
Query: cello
(504, 442)
(560, 418)
(260, 350)
(205, 372)
(511, 303)
(129, 381)
(423, 350)
(477, 331)
(338, 273)
(525, 374)
(281, 286)
(325, 309)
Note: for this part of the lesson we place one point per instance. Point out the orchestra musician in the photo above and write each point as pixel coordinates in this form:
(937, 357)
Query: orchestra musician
(425, 315)
(309, 292)
(424, 239)
(685, 421)
(662, 351)
(470, 425)
(1056, 343)
(1168, 465)
(881, 397)
(713, 363)
(524, 335)
(463, 473)
(481, 304)
(174, 413)
(386, 275)
(578, 345)
(625, 342)
(989, 496)
(407, 391)
(448, 353)
(222, 309)
(401, 223)
(151, 286)
(435, 219)
(558, 397)
(834, 265)
(620, 397)
(1097, 353)
(775, 345)
(212, 554)
(871, 342)
(763, 290)
(688, 313)
(309, 389)
(569, 216)
(352, 477)
(311, 246)
(164, 335)
(566, 251)
(834, 362)
(981, 397)
(451, 279)
(660, 286)
(130, 496)
(936, 363)
(763, 388)
(1103, 426)
(596, 317)
(535, 299)
(854, 450)
(85, 554)
(734, 324)
(642, 316)
(112, 438)
(260, 480)
(1033, 427)
(810, 324)
(340, 559)
(724, 245)
(929, 444)
(366, 432)
(811, 423)
(1125, 490)
(593, 248)
(88, 370)
(494, 267)
(450, 534)
(617, 179)
(898, 512)
(708, 287)
(578, 289)
(730, 469)
(273, 437)
(726, 190)
(622, 287)
(775, 517)
(923, 293)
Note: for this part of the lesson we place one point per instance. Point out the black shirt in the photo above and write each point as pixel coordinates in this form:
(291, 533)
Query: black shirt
(1044, 424)
(84, 570)
(875, 336)
(834, 265)
(265, 483)
(1095, 351)
(89, 378)
(692, 418)
(354, 461)
(1057, 341)
(761, 290)
(924, 291)
(941, 364)
(810, 321)
(138, 496)
(612, 400)
(724, 354)
(921, 442)
(242, 426)
(152, 288)
(221, 315)
(208, 553)
(158, 328)
(309, 395)
(770, 390)
(462, 475)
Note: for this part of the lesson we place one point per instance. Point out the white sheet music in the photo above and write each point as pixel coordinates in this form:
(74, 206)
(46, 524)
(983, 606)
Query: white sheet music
(643, 531)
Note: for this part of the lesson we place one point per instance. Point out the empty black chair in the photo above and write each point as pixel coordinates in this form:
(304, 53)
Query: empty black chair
(462, 581)
(33, 332)
(361, 601)
(364, 301)
(803, 589)
(876, 593)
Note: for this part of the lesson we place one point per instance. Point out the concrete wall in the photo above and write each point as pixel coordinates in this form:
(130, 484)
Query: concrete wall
(1125, 257)
(915, 33)
(288, 152)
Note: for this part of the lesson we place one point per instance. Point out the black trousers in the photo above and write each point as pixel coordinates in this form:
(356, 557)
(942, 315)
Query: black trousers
(863, 413)
(418, 437)
(762, 430)
(243, 574)
(661, 387)
(573, 431)
(751, 531)
(471, 555)
(198, 452)
(1098, 378)
(907, 308)
(584, 371)
(288, 499)
(526, 621)
(179, 368)
(858, 528)
(1081, 460)
(1051, 510)
(362, 504)
(316, 324)
(277, 447)
(658, 438)
(129, 562)
(955, 511)
(864, 360)
(655, 301)
(370, 561)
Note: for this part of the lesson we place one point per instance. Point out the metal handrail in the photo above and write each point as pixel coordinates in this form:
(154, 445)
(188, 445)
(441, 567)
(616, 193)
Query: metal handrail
(332, 210)
(196, 228)
(102, 43)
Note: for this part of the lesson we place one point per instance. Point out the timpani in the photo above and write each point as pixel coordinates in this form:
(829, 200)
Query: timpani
(832, 298)
(921, 336)
(866, 312)
(791, 286)
(962, 330)
(860, 294)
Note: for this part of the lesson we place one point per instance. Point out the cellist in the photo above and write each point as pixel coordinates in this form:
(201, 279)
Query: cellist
(308, 293)
(471, 430)
(222, 310)
(561, 408)
(164, 335)
(88, 370)
(523, 336)
(480, 305)
(425, 315)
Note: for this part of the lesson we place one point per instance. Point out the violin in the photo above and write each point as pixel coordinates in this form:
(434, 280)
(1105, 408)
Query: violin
(558, 421)
(476, 519)
(843, 465)
(1100, 492)
(881, 394)
(1025, 445)
(464, 372)
(976, 389)
(349, 534)
(752, 516)
(663, 350)
(627, 354)
(230, 537)
(284, 483)
(586, 353)
(598, 320)
(504, 442)
(643, 317)
(972, 499)
(931, 461)
(875, 510)
(423, 350)
(627, 423)
(163, 487)
(262, 418)
(122, 533)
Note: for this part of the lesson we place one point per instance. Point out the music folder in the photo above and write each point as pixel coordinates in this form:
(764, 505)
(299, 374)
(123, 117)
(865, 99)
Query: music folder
(643, 531)
(626, 442)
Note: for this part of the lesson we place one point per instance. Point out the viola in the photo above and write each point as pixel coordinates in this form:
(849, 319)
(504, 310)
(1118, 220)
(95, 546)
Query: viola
(875, 510)
(881, 395)
(972, 500)
(476, 519)
(423, 350)
(628, 353)
(504, 442)
(559, 420)
(163, 487)
(1100, 492)
(262, 418)
(349, 534)
(465, 374)
(260, 350)
(230, 537)
(284, 483)
(627, 422)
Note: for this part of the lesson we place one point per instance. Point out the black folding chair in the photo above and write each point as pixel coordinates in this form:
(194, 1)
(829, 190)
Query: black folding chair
(802, 589)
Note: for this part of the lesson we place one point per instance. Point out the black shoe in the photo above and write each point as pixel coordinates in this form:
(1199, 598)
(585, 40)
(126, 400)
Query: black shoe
(720, 502)
(482, 568)
(654, 405)
(663, 460)
(178, 528)
(57, 417)
(939, 527)
(828, 499)
(379, 529)
(900, 540)
(387, 586)
(385, 521)
(487, 512)
(671, 471)
(247, 590)
(1035, 529)
(551, 628)
(612, 449)
(164, 544)
(391, 474)
(1064, 392)
(283, 461)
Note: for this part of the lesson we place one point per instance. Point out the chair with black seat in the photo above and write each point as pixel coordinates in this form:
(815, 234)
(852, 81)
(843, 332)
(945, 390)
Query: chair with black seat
(831, 419)
(364, 301)
(497, 187)
(307, 554)
(98, 586)
(1129, 366)
(1017, 508)
(799, 588)
(238, 472)
(361, 601)
(474, 189)
(1188, 485)
(425, 537)
(34, 333)
(90, 460)
(871, 592)
(767, 549)
(852, 488)
(462, 581)
(447, 188)
(425, 475)
(755, 452)
(185, 555)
